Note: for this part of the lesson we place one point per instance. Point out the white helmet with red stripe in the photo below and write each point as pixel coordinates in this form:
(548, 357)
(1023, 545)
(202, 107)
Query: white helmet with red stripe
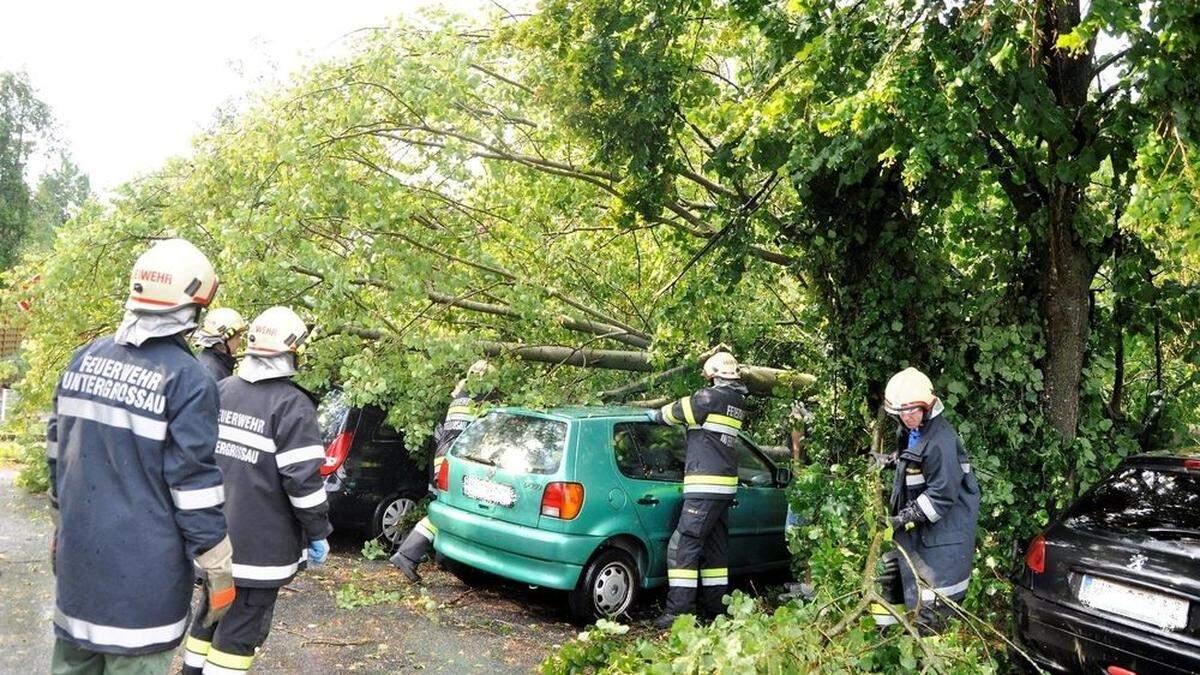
(907, 389)
(171, 274)
(277, 330)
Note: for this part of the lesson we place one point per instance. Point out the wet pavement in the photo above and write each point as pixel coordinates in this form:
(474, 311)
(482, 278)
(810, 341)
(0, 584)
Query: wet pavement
(26, 583)
(444, 626)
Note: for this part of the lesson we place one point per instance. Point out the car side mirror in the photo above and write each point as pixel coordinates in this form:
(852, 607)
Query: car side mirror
(783, 475)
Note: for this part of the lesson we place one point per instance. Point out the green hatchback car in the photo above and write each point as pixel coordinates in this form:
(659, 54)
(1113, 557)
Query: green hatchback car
(584, 499)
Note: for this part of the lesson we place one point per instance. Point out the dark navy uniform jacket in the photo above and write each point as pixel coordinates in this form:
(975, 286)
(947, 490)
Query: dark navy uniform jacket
(130, 451)
(217, 362)
(936, 475)
(271, 454)
(713, 416)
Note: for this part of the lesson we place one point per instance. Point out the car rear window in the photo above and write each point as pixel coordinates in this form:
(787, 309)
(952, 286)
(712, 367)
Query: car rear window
(331, 415)
(515, 443)
(1153, 499)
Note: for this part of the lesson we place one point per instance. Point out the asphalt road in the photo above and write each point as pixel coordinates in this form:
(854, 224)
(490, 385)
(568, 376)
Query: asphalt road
(26, 584)
(443, 626)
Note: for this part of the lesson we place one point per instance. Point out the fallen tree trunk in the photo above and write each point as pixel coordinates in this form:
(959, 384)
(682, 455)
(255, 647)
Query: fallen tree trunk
(570, 356)
(759, 380)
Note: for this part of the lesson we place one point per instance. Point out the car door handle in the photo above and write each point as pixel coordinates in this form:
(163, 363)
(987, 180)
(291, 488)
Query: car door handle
(648, 500)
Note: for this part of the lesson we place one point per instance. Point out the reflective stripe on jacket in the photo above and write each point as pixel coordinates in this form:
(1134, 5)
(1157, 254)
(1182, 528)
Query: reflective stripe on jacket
(713, 417)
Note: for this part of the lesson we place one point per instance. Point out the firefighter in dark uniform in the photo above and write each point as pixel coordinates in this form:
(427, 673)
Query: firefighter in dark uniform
(218, 339)
(466, 404)
(934, 508)
(270, 453)
(698, 552)
(130, 451)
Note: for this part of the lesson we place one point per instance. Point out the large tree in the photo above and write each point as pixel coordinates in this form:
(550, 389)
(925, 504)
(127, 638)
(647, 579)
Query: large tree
(844, 188)
(24, 120)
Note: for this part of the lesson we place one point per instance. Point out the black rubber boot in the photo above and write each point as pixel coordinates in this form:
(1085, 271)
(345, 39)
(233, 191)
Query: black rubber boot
(664, 621)
(408, 567)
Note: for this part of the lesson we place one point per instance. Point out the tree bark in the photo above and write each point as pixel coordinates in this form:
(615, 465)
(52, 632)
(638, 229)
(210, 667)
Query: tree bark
(1066, 265)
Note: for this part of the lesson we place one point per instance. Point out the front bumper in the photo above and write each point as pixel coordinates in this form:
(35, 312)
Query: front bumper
(525, 554)
(1065, 640)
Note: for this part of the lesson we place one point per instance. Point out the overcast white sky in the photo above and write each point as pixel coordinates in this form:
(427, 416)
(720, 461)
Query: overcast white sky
(132, 81)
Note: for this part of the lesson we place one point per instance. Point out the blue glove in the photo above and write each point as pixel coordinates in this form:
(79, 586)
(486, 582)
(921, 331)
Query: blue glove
(318, 551)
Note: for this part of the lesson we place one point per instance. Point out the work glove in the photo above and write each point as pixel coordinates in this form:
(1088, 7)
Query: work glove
(655, 416)
(909, 517)
(216, 564)
(880, 461)
(318, 551)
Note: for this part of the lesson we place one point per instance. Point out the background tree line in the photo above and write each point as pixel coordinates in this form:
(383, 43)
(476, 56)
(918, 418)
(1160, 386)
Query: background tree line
(1000, 193)
(32, 208)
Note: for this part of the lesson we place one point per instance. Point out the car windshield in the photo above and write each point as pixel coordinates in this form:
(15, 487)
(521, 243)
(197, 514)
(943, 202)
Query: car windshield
(331, 415)
(1160, 501)
(515, 443)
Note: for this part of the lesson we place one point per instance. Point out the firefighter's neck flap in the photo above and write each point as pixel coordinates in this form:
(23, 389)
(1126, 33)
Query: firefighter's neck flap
(137, 327)
(736, 385)
(206, 341)
(258, 368)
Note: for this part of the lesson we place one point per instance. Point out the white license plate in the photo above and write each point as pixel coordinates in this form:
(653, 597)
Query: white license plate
(489, 491)
(1159, 609)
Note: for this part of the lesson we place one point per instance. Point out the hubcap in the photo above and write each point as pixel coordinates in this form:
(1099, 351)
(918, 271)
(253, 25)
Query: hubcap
(613, 589)
(392, 515)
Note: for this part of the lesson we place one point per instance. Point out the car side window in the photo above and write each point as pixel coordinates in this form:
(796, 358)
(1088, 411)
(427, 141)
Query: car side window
(753, 471)
(648, 451)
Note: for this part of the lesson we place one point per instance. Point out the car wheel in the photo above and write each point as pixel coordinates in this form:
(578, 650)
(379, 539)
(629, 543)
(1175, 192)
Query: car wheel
(389, 516)
(607, 586)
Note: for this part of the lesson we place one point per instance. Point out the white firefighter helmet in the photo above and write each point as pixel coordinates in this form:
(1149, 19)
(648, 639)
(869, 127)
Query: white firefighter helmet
(223, 322)
(171, 274)
(277, 330)
(722, 365)
(480, 367)
(907, 388)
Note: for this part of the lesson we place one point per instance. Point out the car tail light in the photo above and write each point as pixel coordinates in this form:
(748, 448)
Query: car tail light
(1118, 670)
(337, 452)
(562, 500)
(1035, 557)
(443, 477)
(1191, 463)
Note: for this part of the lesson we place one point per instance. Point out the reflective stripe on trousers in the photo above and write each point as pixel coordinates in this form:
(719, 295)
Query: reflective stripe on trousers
(883, 617)
(224, 663)
(194, 651)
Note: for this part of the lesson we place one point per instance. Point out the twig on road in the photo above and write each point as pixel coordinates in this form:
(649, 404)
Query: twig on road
(323, 640)
(460, 596)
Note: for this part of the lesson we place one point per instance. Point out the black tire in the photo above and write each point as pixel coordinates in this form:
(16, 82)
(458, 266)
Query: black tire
(607, 587)
(389, 513)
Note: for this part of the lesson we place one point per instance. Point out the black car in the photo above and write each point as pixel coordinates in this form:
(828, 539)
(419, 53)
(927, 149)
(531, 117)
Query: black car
(1114, 585)
(370, 477)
